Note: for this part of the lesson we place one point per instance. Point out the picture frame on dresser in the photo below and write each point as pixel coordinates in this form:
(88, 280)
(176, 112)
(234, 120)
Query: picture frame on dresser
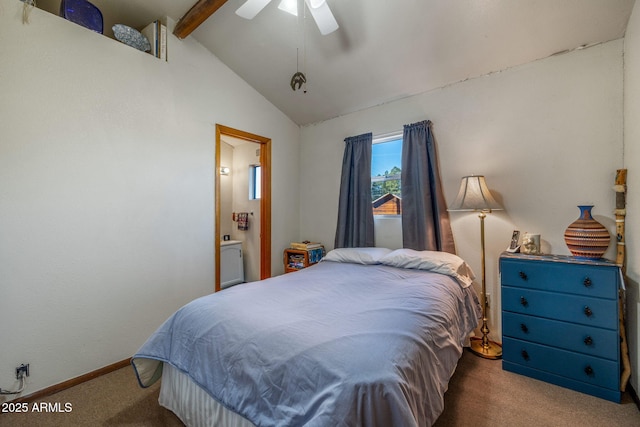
(514, 246)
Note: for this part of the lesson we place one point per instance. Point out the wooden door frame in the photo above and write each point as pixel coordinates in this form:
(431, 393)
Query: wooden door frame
(265, 199)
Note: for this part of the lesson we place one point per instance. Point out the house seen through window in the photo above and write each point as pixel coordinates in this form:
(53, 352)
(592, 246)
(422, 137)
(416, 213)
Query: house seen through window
(386, 185)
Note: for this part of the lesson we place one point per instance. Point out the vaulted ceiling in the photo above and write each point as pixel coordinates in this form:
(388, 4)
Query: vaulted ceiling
(384, 50)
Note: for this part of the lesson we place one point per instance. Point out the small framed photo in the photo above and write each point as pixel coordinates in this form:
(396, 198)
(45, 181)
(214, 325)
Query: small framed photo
(515, 238)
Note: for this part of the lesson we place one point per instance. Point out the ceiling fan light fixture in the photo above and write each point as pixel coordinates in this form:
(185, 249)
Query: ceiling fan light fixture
(251, 8)
(289, 6)
(319, 10)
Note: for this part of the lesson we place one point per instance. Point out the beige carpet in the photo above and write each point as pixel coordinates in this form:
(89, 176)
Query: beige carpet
(480, 394)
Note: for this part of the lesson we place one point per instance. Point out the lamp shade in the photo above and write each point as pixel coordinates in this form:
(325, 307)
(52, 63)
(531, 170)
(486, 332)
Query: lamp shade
(474, 195)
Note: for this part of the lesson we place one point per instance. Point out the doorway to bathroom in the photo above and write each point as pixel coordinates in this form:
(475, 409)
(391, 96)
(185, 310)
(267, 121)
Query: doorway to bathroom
(243, 200)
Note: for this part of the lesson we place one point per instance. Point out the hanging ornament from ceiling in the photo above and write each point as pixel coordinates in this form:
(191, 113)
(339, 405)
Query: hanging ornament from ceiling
(298, 80)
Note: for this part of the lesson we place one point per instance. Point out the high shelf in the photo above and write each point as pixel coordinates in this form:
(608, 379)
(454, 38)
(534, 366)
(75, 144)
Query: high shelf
(560, 321)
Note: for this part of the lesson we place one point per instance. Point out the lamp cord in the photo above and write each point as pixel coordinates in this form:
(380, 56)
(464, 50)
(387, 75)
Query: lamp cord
(23, 383)
(27, 7)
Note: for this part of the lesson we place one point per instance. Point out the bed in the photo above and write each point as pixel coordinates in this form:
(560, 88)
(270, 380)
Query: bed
(367, 337)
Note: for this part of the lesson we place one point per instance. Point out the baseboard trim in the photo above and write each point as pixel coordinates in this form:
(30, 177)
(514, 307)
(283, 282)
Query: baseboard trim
(56, 388)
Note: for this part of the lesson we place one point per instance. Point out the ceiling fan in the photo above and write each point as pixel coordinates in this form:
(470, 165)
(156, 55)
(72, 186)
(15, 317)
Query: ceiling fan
(319, 10)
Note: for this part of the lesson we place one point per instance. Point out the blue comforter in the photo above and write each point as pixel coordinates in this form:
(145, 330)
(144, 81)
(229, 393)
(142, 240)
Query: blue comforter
(331, 345)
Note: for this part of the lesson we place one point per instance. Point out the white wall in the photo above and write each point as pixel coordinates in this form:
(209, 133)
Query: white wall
(631, 159)
(547, 135)
(106, 189)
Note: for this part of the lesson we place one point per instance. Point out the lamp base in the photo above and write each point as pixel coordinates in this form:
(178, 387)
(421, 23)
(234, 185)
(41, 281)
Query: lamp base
(494, 351)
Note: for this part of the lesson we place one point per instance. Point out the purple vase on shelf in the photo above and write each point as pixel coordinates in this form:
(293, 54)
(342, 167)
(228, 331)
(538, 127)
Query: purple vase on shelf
(585, 237)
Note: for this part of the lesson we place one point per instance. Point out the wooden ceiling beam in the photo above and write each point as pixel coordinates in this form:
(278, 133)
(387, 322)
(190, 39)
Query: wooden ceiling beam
(198, 13)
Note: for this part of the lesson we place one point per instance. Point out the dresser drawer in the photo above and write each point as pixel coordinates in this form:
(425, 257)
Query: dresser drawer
(602, 313)
(587, 369)
(588, 280)
(568, 336)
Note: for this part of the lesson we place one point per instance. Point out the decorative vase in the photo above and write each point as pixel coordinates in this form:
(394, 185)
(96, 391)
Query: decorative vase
(585, 237)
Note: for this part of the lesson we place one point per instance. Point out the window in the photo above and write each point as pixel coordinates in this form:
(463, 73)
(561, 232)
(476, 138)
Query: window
(386, 185)
(255, 182)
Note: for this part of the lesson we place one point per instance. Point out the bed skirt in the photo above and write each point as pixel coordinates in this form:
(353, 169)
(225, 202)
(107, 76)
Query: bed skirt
(192, 404)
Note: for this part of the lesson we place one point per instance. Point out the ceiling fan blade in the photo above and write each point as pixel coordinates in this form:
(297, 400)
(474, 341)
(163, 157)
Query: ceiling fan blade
(251, 8)
(323, 17)
(316, 3)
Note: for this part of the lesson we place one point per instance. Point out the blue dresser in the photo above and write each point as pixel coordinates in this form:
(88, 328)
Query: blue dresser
(560, 321)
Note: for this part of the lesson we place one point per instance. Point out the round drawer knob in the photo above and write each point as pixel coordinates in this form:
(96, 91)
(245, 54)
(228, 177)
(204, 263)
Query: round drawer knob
(587, 311)
(524, 302)
(587, 282)
(588, 341)
(524, 328)
(525, 355)
(523, 275)
(588, 370)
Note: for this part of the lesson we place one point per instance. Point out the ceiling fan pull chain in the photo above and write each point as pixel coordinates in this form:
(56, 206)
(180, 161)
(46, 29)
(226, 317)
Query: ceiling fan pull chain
(304, 47)
(299, 80)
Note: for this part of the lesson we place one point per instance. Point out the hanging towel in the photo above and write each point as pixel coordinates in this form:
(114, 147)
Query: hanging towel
(243, 220)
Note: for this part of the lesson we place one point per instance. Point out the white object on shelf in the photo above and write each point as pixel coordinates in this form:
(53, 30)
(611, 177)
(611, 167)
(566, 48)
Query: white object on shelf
(231, 263)
(156, 33)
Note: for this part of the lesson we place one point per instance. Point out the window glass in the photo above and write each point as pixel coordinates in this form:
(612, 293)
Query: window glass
(255, 181)
(386, 185)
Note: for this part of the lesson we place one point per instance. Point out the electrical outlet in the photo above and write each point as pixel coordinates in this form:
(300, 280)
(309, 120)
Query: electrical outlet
(22, 370)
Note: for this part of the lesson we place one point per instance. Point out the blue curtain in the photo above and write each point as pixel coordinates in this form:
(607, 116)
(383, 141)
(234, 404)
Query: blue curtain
(355, 215)
(425, 219)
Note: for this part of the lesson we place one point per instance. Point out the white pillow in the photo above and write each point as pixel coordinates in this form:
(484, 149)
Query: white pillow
(357, 255)
(438, 262)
